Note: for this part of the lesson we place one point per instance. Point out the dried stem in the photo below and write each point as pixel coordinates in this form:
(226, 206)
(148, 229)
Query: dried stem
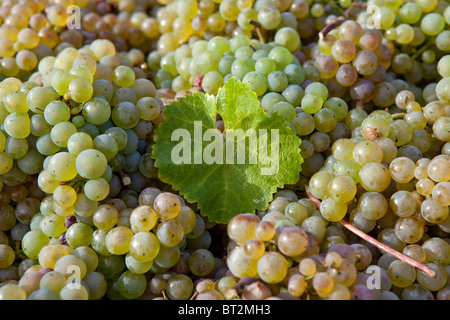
(259, 33)
(377, 243)
(125, 177)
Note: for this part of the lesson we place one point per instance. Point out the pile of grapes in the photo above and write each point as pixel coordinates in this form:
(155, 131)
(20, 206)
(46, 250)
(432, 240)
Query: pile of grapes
(365, 85)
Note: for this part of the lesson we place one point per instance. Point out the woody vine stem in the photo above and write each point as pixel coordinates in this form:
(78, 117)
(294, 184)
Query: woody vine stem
(377, 243)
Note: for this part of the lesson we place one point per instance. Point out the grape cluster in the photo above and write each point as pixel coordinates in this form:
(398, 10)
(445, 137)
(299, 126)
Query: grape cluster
(366, 90)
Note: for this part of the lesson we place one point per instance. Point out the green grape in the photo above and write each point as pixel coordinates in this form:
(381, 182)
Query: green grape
(98, 243)
(440, 128)
(79, 234)
(68, 263)
(146, 165)
(167, 256)
(38, 125)
(96, 111)
(119, 135)
(295, 212)
(372, 205)
(239, 263)
(96, 189)
(218, 44)
(15, 101)
(292, 241)
(33, 242)
(186, 218)
(136, 266)
(78, 121)
(244, 52)
(96, 284)
(167, 63)
(269, 99)
(433, 283)
(56, 112)
(53, 281)
(342, 189)
(124, 76)
(64, 196)
(51, 253)
(46, 181)
(332, 210)
(12, 291)
(79, 142)
(105, 217)
(61, 132)
(442, 90)
(225, 64)
(104, 88)
(212, 81)
(74, 293)
(272, 267)
(283, 109)
(62, 166)
(389, 149)
(91, 164)
(242, 66)
(293, 94)
(208, 61)
(433, 212)
(31, 162)
(107, 145)
(245, 16)
(318, 184)
(81, 72)
(402, 203)
(7, 256)
(402, 169)
(405, 33)
(125, 115)
(303, 123)
(343, 149)
(88, 255)
(401, 274)
(374, 176)
(410, 12)
(432, 24)
(311, 103)
(17, 125)
(269, 17)
(325, 120)
(265, 66)
(80, 90)
(277, 81)
(442, 41)
(46, 146)
(288, 38)
(180, 287)
(281, 56)
(16, 148)
(444, 66)
(201, 262)
(367, 151)
(257, 82)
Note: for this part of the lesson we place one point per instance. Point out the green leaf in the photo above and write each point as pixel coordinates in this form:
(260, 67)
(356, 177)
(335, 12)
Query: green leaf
(247, 173)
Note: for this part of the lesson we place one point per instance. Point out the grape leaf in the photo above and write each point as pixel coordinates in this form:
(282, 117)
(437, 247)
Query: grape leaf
(227, 173)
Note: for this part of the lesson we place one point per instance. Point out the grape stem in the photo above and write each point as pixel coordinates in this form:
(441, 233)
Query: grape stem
(125, 177)
(377, 243)
(345, 16)
(259, 33)
(398, 115)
